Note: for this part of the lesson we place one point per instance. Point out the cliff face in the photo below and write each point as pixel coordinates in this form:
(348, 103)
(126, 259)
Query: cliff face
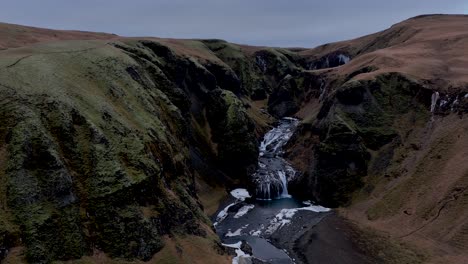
(119, 147)
(103, 141)
(384, 134)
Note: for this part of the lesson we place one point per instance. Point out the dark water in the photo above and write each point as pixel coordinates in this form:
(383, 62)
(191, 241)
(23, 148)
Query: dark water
(254, 225)
(255, 220)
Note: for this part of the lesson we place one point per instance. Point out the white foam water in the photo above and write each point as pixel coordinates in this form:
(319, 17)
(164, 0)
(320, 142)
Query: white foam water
(274, 172)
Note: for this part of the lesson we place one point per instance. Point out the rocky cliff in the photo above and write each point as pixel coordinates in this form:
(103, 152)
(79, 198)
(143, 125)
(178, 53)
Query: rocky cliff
(106, 142)
(118, 148)
(384, 134)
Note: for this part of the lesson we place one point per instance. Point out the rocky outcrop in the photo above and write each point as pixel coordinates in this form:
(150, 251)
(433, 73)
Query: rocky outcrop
(98, 155)
(101, 148)
(233, 131)
(356, 120)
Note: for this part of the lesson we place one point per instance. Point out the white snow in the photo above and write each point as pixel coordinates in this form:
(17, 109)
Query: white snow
(240, 255)
(285, 216)
(244, 210)
(315, 208)
(238, 232)
(222, 214)
(240, 194)
(256, 233)
(235, 245)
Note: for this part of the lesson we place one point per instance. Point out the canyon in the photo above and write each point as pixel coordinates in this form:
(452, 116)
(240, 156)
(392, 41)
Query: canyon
(126, 150)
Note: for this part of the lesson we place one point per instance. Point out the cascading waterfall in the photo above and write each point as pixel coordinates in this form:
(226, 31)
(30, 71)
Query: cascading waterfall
(274, 172)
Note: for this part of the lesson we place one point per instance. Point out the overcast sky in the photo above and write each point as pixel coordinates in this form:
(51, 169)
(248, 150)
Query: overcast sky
(301, 23)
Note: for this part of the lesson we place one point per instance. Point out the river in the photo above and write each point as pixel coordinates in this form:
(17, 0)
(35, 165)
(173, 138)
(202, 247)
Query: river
(257, 220)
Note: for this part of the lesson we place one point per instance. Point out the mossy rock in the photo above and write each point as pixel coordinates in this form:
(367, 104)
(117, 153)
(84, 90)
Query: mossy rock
(234, 133)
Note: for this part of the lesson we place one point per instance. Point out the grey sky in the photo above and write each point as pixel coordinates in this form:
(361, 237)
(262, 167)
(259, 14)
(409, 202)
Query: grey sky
(258, 22)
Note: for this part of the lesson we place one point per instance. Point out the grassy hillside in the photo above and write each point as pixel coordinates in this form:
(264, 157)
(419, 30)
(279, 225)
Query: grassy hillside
(105, 142)
(370, 143)
(115, 149)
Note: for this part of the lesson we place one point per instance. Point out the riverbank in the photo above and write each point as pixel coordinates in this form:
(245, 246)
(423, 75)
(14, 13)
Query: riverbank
(330, 238)
(320, 238)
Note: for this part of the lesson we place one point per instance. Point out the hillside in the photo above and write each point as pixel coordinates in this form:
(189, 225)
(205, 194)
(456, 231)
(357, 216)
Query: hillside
(113, 145)
(116, 149)
(370, 142)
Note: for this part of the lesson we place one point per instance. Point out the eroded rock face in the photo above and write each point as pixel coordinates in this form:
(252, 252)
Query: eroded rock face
(78, 178)
(234, 134)
(291, 93)
(356, 120)
(99, 154)
(99, 150)
(333, 59)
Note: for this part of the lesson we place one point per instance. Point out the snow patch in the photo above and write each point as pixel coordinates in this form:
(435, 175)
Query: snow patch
(222, 214)
(238, 232)
(244, 210)
(235, 245)
(240, 194)
(285, 216)
(256, 233)
(240, 255)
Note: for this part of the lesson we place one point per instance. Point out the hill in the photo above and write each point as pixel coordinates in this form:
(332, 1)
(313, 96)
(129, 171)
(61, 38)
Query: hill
(119, 149)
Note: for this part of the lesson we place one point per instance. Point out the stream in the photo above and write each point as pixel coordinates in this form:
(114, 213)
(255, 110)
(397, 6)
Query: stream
(260, 220)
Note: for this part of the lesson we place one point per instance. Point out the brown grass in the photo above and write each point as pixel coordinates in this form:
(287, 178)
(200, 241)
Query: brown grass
(14, 36)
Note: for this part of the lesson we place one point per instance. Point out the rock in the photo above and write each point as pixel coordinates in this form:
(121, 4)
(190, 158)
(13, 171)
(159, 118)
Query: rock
(246, 248)
(357, 119)
(233, 130)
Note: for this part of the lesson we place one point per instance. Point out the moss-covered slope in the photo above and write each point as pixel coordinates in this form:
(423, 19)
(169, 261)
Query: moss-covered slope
(101, 140)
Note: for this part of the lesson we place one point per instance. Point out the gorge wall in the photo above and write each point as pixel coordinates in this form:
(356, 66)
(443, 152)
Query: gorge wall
(122, 146)
(105, 141)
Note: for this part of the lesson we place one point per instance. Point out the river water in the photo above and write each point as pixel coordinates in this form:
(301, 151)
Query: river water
(256, 219)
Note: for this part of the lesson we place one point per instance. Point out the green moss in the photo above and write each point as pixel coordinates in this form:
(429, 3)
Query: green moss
(89, 145)
(233, 130)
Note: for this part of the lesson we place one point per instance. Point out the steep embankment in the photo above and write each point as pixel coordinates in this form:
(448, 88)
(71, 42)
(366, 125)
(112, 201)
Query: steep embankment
(109, 146)
(369, 140)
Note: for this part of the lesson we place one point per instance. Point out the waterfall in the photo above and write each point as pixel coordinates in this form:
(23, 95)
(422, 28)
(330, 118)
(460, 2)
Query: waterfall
(274, 172)
(284, 183)
(434, 99)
